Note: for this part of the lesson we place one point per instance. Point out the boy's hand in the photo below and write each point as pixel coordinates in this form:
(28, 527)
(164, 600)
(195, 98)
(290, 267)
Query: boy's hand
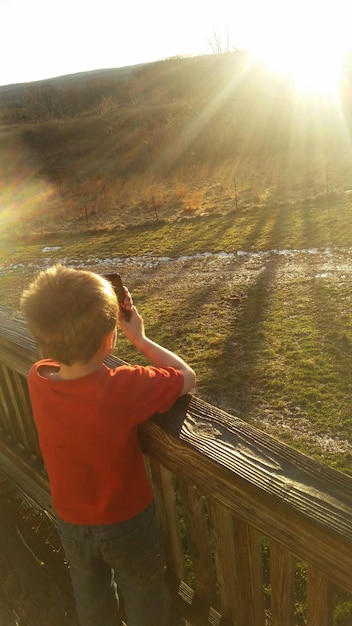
(134, 328)
(128, 301)
(157, 354)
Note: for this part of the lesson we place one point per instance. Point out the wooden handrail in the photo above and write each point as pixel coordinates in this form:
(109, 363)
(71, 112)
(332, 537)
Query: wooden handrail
(231, 485)
(281, 492)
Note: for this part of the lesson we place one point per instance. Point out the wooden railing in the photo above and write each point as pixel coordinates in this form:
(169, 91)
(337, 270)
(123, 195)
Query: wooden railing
(256, 533)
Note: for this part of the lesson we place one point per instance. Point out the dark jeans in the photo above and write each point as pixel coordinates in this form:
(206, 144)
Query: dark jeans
(128, 555)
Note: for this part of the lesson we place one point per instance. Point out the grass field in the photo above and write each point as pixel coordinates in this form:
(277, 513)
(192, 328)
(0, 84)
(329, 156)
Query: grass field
(257, 299)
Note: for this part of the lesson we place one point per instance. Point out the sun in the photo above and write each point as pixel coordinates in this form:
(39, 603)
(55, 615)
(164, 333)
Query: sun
(312, 71)
(314, 67)
(307, 41)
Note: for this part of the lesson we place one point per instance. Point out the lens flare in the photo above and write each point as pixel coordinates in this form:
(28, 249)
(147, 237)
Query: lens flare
(24, 194)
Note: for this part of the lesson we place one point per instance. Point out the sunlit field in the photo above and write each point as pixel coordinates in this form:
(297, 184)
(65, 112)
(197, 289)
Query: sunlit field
(225, 201)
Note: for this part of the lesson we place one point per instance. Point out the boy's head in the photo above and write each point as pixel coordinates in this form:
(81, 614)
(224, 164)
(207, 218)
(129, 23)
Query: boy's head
(69, 313)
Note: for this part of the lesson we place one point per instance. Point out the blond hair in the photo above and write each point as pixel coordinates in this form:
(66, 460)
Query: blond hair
(69, 313)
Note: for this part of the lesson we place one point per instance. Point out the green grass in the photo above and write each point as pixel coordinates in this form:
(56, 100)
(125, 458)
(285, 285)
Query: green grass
(319, 224)
(270, 342)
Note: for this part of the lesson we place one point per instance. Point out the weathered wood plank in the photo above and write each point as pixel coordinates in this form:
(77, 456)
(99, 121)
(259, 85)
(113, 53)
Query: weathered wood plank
(25, 411)
(282, 579)
(37, 490)
(26, 462)
(20, 428)
(271, 486)
(35, 582)
(319, 599)
(194, 516)
(226, 562)
(5, 417)
(192, 607)
(17, 357)
(165, 499)
(8, 614)
(250, 580)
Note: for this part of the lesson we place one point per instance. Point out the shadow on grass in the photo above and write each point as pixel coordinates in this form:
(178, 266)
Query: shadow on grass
(244, 344)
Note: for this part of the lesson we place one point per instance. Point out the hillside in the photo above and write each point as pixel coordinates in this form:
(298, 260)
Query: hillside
(167, 139)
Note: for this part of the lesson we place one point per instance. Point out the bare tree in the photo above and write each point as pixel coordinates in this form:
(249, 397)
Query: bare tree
(220, 44)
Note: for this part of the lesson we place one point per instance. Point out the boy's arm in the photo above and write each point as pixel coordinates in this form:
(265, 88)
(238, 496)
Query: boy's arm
(161, 357)
(157, 355)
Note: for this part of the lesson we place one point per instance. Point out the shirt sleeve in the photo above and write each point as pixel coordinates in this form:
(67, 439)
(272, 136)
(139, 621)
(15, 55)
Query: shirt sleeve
(150, 390)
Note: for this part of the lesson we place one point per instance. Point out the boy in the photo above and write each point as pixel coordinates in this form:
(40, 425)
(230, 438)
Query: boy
(87, 417)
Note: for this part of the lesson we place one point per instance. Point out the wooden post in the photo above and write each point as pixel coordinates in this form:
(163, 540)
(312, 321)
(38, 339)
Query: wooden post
(249, 559)
(282, 576)
(155, 211)
(319, 599)
(165, 499)
(236, 200)
(193, 507)
(225, 558)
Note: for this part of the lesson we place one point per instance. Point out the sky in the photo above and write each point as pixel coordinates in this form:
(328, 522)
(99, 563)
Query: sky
(47, 38)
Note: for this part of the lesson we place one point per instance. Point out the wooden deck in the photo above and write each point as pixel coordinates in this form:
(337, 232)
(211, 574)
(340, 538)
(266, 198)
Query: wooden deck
(35, 587)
